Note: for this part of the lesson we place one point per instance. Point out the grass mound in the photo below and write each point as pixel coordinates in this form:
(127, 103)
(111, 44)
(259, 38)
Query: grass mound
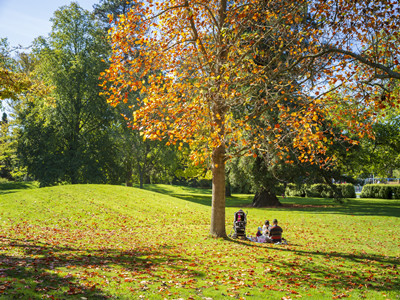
(99, 242)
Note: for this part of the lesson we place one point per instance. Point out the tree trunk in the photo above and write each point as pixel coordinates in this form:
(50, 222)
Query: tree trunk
(217, 228)
(265, 198)
(141, 176)
(129, 174)
(218, 192)
(228, 192)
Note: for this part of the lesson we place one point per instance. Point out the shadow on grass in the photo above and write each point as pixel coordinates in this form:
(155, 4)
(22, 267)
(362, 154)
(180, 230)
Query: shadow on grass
(373, 272)
(41, 271)
(355, 207)
(12, 187)
(198, 195)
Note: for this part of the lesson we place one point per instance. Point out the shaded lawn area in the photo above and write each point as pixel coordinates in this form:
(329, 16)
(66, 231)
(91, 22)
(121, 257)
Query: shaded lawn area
(198, 195)
(113, 242)
(12, 187)
(355, 206)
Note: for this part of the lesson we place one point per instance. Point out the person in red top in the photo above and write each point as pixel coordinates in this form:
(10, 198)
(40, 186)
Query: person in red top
(275, 232)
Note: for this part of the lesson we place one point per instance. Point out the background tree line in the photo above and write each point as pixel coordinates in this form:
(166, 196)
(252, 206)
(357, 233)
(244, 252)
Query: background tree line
(57, 127)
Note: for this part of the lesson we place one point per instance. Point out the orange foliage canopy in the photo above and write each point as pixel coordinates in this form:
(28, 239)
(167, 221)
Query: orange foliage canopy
(205, 74)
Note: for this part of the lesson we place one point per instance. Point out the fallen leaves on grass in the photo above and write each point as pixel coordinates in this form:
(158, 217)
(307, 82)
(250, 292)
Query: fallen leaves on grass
(103, 249)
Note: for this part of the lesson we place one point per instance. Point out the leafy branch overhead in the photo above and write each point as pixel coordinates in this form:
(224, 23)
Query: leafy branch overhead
(210, 68)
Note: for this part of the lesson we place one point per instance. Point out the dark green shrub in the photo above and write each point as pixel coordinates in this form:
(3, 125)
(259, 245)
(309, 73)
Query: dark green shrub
(396, 191)
(379, 191)
(279, 189)
(321, 190)
(313, 191)
(384, 191)
(316, 190)
(367, 191)
(205, 183)
(348, 190)
(327, 192)
(295, 190)
(200, 183)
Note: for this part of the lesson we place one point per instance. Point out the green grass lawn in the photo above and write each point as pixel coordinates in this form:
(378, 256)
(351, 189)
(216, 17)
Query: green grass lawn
(99, 242)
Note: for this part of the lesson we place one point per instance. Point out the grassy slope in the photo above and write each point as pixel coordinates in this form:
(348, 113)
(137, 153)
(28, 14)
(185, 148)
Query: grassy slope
(97, 241)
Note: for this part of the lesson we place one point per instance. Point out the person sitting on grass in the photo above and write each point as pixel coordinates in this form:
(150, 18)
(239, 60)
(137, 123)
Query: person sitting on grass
(260, 238)
(265, 228)
(275, 232)
(258, 232)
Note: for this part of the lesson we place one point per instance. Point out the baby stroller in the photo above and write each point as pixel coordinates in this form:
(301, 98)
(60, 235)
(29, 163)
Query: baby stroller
(239, 224)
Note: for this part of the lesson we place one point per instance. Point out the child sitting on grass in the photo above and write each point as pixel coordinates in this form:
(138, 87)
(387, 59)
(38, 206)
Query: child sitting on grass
(259, 238)
(265, 228)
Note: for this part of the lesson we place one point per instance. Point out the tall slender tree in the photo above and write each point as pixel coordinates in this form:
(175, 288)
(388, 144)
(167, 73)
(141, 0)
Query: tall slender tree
(75, 118)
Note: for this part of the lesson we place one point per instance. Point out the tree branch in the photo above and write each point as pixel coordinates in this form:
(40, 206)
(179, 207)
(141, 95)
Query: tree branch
(210, 12)
(194, 31)
(389, 72)
(164, 11)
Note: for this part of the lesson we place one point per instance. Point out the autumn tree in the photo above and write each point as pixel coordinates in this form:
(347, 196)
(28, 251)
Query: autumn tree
(104, 8)
(139, 161)
(12, 82)
(225, 63)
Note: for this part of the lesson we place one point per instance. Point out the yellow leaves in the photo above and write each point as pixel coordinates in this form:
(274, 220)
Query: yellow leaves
(12, 84)
(110, 18)
(180, 98)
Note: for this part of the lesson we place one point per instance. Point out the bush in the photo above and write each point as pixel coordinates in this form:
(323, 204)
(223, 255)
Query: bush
(199, 183)
(279, 189)
(348, 190)
(380, 191)
(367, 191)
(315, 190)
(4, 180)
(384, 192)
(396, 191)
(295, 190)
(321, 190)
(327, 192)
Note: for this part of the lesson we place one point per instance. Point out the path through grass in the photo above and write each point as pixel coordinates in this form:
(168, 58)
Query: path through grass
(98, 242)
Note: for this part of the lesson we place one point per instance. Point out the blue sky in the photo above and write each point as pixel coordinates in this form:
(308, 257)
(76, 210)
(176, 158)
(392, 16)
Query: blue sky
(24, 20)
